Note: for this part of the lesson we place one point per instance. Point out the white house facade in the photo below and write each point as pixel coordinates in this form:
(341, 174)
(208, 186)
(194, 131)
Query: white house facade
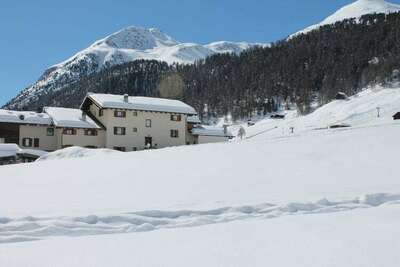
(117, 122)
(137, 123)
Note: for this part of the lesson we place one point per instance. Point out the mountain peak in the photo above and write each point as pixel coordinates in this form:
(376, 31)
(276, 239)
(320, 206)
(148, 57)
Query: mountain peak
(355, 10)
(126, 45)
(134, 37)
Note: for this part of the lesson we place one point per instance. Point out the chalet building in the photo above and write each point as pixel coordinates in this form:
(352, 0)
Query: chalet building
(53, 129)
(118, 122)
(396, 116)
(137, 123)
(72, 127)
(29, 129)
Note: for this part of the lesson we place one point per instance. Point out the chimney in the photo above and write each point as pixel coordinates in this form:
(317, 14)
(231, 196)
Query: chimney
(83, 115)
(126, 98)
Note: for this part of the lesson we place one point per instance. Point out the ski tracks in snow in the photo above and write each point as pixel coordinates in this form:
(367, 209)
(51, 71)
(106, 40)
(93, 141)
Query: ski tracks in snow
(32, 228)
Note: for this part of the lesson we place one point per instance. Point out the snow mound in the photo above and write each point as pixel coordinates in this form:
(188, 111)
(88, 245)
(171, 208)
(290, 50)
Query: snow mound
(355, 10)
(76, 152)
(34, 228)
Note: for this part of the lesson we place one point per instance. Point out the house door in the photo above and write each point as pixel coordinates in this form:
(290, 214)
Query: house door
(148, 142)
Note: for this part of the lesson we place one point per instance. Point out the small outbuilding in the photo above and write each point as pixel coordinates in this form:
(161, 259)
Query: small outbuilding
(211, 134)
(396, 116)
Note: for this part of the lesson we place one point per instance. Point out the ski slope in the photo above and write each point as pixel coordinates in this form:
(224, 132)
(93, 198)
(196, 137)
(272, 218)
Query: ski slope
(317, 197)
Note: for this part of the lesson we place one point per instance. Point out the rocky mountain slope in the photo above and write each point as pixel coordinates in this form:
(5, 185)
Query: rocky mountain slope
(126, 45)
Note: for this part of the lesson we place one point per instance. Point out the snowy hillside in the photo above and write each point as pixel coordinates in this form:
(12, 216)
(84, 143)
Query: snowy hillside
(355, 10)
(326, 197)
(126, 45)
(357, 111)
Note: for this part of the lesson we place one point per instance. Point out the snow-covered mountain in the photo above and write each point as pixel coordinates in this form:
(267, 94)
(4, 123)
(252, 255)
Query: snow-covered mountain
(355, 10)
(129, 44)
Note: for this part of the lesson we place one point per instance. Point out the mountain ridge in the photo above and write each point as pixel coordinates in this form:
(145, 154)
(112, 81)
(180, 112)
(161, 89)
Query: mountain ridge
(126, 45)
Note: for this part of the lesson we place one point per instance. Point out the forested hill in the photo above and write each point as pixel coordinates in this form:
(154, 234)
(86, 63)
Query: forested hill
(306, 69)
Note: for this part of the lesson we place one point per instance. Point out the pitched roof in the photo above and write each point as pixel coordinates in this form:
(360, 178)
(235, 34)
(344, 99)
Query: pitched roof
(70, 118)
(142, 103)
(24, 117)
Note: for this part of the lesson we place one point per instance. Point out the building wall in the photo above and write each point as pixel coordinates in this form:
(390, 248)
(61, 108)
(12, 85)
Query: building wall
(2, 140)
(48, 143)
(191, 139)
(159, 131)
(95, 110)
(60, 140)
(212, 139)
(80, 139)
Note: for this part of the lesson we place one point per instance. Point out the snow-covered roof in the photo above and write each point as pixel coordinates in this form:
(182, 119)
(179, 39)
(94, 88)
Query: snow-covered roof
(70, 118)
(12, 150)
(24, 117)
(8, 150)
(33, 152)
(142, 103)
(210, 131)
(193, 119)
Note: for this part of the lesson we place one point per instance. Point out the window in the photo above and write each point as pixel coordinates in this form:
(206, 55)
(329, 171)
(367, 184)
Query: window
(119, 114)
(135, 113)
(120, 148)
(91, 147)
(119, 130)
(50, 131)
(27, 142)
(134, 149)
(174, 133)
(69, 131)
(101, 112)
(148, 123)
(134, 129)
(66, 146)
(91, 132)
(36, 142)
(176, 117)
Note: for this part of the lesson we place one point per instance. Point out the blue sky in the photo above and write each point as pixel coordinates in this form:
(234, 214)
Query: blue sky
(41, 33)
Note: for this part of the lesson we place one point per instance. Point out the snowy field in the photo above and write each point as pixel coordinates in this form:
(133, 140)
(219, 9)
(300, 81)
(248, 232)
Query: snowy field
(317, 197)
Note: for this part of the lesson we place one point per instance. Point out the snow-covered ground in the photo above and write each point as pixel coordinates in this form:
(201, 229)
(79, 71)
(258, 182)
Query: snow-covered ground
(317, 197)
(358, 238)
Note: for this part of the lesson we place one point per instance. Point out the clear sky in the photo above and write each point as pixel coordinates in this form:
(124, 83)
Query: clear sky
(37, 34)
